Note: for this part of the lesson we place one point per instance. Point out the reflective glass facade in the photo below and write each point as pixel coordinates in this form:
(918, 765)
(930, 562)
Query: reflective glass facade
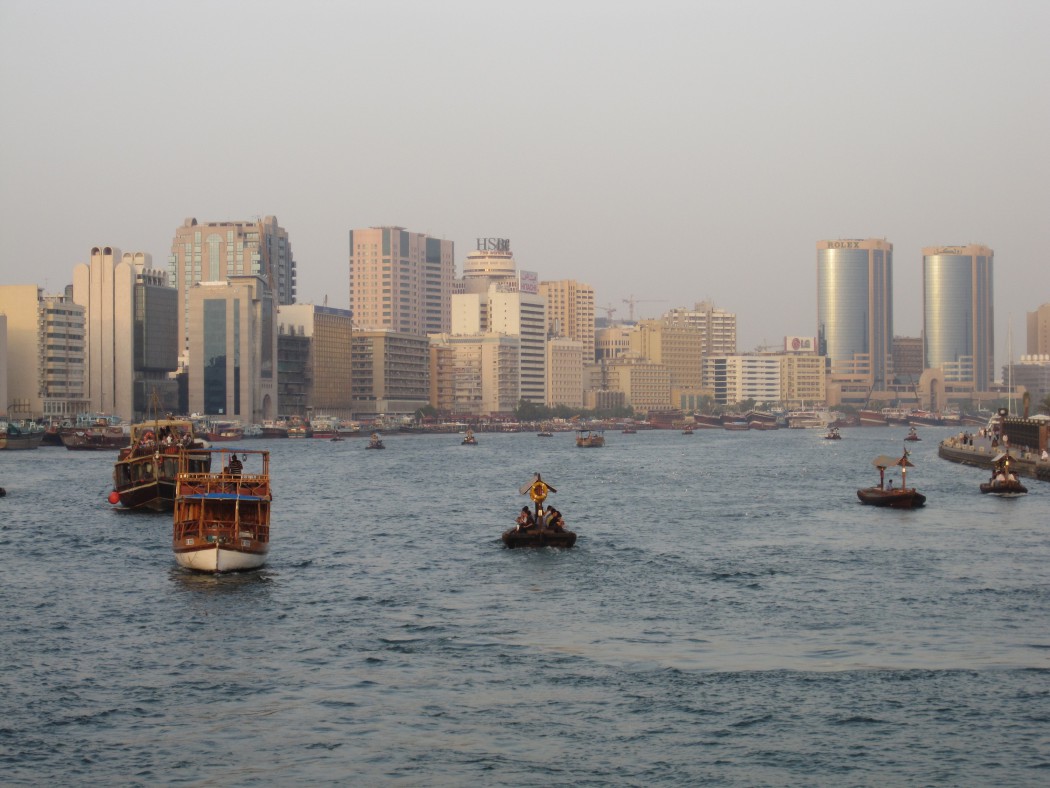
(957, 313)
(215, 356)
(855, 306)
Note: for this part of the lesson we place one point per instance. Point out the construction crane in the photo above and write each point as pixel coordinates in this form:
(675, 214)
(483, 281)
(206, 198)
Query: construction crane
(632, 301)
(609, 310)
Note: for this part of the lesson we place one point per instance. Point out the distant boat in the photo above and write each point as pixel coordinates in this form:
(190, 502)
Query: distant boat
(912, 435)
(590, 439)
(469, 439)
(833, 434)
(375, 442)
(23, 435)
(145, 470)
(222, 519)
(539, 527)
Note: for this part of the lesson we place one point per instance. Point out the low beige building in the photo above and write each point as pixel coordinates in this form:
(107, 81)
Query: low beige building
(390, 373)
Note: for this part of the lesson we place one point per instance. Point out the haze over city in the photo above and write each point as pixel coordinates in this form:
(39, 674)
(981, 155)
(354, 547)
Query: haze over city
(669, 152)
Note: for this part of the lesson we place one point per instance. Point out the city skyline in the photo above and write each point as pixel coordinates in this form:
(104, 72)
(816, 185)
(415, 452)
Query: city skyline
(656, 152)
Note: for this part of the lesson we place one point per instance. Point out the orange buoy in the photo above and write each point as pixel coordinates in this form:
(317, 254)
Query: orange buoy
(114, 497)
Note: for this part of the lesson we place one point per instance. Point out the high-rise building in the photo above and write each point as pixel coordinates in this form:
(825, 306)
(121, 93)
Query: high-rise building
(131, 337)
(907, 359)
(44, 354)
(483, 376)
(565, 372)
(400, 280)
(329, 332)
(958, 330)
(390, 372)
(677, 345)
(716, 326)
(855, 309)
(233, 349)
(1038, 325)
(215, 251)
(570, 312)
(646, 386)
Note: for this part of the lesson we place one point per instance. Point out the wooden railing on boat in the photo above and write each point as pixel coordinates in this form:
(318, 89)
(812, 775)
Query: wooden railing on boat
(225, 507)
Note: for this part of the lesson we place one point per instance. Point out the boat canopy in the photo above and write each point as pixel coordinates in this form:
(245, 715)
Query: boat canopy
(884, 461)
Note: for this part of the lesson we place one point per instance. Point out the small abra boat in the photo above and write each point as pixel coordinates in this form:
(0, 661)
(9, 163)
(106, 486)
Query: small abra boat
(541, 527)
(222, 520)
(375, 442)
(912, 435)
(590, 439)
(902, 497)
(1004, 482)
(469, 439)
(833, 435)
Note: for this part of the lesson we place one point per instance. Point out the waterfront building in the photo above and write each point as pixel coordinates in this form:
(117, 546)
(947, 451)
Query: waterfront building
(131, 334)
(44, 359)
(485, 374)
(233, 349)
(326, 373)
(570, 312)
(389, 373)
(612, 342)
(646, 386)
(717, 327)
(565, 359)
(3, 364)
(1038, 330)
(958, 330)
(855, 310)
(442, 376)
(788, 378)
(677, 344)
(400, 280)
(491, 262)
(1032, 372)
(907, 358)
(216, 251)
(293, 369)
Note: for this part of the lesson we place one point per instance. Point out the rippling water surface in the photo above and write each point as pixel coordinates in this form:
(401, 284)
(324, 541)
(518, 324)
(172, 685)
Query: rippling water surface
(730, 615)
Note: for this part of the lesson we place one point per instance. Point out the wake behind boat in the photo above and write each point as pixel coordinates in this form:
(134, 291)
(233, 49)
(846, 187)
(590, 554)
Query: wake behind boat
(222, 520)
(902, 497)
(542, 527)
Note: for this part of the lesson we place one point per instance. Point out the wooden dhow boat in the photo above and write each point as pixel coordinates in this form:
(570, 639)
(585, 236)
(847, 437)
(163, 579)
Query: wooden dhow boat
(222, 520)
(539, 527)
(145, 470)
(902, 497)
(1004, 482)
(590, 439)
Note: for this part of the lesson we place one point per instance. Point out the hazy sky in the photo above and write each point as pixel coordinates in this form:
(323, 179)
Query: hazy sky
(678, 151)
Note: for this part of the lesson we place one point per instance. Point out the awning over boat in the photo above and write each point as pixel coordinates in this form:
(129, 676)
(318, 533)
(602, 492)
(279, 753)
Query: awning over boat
(884, 461)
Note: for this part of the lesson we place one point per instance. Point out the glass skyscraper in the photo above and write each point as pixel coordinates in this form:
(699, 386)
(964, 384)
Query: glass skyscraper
(855, 309)
(958, 335)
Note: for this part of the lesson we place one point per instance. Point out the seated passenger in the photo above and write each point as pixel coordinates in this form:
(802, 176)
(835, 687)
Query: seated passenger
(525, 519)
(554, 519)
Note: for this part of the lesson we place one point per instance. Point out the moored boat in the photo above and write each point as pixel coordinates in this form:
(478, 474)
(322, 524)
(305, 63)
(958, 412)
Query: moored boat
(872, 418)
(145, 471)
(1004, 482)
(275, 428)
(901, 497)
(222, 519)
(324, 426)
(21, 435)
(539, 527)
(224, 432)
(94, 432)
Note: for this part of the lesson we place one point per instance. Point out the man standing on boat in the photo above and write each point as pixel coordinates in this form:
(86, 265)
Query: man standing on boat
(235, 466)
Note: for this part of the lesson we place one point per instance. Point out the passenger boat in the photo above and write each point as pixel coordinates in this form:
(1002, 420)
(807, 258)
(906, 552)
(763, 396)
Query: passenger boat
(298, 428)
(833, 434)
(902, 497)
(145, 472)
(590, 439)
(23, 435)
(545, 434)
(222, 519)
(469, 439)
(912, 435)
(687, 431)
(375, 442)
(539, 527)
(1004, 482)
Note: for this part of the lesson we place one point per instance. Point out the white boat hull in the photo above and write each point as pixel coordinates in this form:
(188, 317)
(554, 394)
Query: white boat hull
(217, 559)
